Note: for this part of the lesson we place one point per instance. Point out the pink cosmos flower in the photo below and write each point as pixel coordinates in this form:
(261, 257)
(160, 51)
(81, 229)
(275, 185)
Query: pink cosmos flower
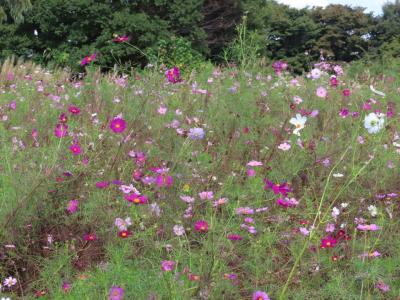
(372, 227)
(206, 195)
(321, 92)
(178, 230)
(244, 211)
(61, 130)
(370, 255)
(346, 92)
(102, 184)
(330, 227)
(162, 110)
(118, 125)
(121, 39)
(75, 149)
(382, 286)
(167, 265)
(304, 231)
(234, 237)
(220, 202)
(187, 199)
(66, 286)
(90, 237)
(201, 226)
(287, 202)
(251, 172)
(116, 293)
(72, 206)
(284, 146)
(260, 295)
(254, 163)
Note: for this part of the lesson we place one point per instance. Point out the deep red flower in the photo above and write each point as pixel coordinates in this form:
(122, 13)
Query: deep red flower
(124, 234)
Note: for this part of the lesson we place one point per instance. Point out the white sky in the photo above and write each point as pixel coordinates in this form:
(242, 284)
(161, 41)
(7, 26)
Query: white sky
(370, 5)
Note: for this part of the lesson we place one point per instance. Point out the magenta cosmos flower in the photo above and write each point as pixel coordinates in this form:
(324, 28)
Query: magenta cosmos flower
(121, 39)
(75, 110)
(116, 293)
(61, 130)
(118, 125)
(287, 202)
(164, 180)
(72, 206)
(201, 226)
(167, 265)
(282, 188)
(328, 242)
(136, 199)
(75, 149)
(260, 295)
(173, 75)
(88, 59)
(102, 184)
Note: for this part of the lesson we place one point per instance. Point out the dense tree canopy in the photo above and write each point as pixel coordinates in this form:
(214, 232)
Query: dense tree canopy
(62, 32)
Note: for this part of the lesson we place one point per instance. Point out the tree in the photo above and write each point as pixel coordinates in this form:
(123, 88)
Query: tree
(345, 32)
(16, 8)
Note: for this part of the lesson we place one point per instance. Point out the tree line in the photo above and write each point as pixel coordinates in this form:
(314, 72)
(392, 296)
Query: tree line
(62, 32)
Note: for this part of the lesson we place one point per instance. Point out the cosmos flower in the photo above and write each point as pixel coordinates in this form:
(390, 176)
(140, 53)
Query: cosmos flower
(315, 73)
(282, 188)
(284, 146)
(10, 281)
(173, 75)
(196, 133)
(201, 226)
(206, 195)
(121, 39)
(299, 122)
(178, 230)
(321, 92)
(124, 234)
(244, 211)
(328, 242)
(374, 123)
(117, 125)
(136, 199)
(90, 237)
(364, 227)
(234, 237)
(260, 295)
(74, 110)
(88, 59)
(287, 202)
(102, 184)
(75, 149)
(254, 163)
(61, 130)
(167, 265)
(346, 92)
(116, 293)
(72, 206)
(123, 224)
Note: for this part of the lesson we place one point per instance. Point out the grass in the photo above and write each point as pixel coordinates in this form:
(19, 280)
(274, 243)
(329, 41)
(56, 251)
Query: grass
(246, 117)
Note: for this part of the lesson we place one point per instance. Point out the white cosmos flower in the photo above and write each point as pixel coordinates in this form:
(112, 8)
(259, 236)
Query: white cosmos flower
(374, 123)
(299, 122)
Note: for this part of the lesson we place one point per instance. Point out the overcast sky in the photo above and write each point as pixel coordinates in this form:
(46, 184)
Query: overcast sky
(370, 5)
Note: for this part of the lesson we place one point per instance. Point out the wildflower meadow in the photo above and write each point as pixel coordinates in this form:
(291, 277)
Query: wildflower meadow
(217, 183)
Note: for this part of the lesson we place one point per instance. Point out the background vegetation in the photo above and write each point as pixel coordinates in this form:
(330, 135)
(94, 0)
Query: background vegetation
(186, 31)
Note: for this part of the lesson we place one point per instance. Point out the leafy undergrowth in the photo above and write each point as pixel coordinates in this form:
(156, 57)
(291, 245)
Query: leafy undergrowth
(223, 185)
